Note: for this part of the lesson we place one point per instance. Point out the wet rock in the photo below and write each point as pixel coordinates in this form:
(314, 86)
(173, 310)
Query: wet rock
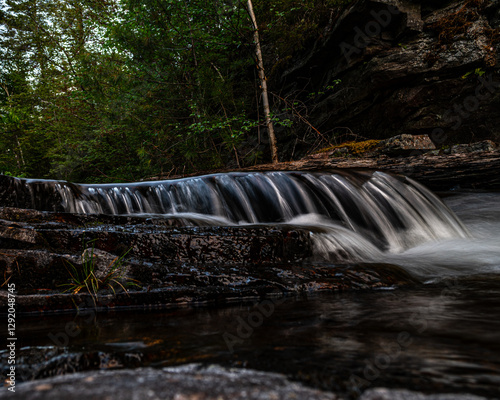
(221, 284)
(165, 266)
(147, 239)
(190, 382)
(34, 363)
(14, 192)
(35, 271)
(398, 394)
(106, 264)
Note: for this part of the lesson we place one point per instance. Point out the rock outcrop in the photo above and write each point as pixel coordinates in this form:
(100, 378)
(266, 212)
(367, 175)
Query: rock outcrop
(392, 67)
(167, 265)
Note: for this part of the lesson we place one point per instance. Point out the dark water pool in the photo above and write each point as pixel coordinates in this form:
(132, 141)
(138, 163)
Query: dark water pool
(437, 338)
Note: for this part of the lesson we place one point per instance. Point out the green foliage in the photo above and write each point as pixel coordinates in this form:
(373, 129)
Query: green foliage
(477, 71)
(119, 90)
(328, 88)
(84, 277)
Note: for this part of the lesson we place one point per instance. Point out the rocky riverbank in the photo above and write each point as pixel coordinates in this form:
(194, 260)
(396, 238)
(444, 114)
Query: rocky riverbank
(167, 265)
(170, 266)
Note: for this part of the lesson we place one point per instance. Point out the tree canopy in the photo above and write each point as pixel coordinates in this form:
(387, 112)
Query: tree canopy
(117, 90)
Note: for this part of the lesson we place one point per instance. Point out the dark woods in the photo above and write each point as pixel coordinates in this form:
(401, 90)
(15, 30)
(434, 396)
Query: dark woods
(119, 90)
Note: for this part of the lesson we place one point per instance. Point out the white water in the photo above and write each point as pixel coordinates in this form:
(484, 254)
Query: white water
(390, 213)
(353, 216)
(438, 253)
(439, 257)
(479, 254)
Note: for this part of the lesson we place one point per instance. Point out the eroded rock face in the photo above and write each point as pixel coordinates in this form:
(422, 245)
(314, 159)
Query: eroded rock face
(405, 67)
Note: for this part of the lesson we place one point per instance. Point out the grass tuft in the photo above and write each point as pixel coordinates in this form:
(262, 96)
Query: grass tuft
(86, 279)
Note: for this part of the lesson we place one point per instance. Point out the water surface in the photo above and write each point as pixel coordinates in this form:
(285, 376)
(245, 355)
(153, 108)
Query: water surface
(441, 336)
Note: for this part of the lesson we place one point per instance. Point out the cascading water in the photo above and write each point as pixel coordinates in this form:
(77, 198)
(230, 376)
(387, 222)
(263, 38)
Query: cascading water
(446, 333)
(392, 213)
(353, 216)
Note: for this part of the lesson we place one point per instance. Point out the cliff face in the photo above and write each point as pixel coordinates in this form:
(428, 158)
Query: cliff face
(388, 67)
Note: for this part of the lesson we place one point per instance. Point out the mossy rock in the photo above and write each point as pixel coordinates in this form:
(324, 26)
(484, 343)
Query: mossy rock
(351, 148)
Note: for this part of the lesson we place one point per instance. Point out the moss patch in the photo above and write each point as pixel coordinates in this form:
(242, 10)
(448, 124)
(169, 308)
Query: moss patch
(352, 148)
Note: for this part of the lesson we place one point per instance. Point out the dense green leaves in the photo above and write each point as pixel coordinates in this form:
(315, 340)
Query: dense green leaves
(108, 90)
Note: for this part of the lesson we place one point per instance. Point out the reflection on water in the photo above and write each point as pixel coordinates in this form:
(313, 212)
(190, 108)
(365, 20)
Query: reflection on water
(443, 336)
(437, 338)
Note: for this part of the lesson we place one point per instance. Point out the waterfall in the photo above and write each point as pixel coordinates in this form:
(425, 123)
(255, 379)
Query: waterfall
(353, 214)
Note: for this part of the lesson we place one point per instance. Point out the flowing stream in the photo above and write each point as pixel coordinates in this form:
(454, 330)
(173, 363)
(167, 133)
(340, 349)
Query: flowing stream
(354, 216)
(442, 336)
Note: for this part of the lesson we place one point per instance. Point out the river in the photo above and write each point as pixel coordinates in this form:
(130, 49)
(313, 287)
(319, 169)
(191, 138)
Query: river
(441, 336)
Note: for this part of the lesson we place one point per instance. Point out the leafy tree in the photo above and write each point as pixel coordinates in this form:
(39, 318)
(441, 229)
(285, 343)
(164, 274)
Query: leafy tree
(110, 90)
(189, 69)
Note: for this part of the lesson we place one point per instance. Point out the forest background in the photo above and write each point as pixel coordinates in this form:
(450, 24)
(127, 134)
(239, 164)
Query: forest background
(121, 90)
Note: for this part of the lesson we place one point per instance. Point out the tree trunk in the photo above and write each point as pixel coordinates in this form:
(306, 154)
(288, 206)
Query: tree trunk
(263, 83)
